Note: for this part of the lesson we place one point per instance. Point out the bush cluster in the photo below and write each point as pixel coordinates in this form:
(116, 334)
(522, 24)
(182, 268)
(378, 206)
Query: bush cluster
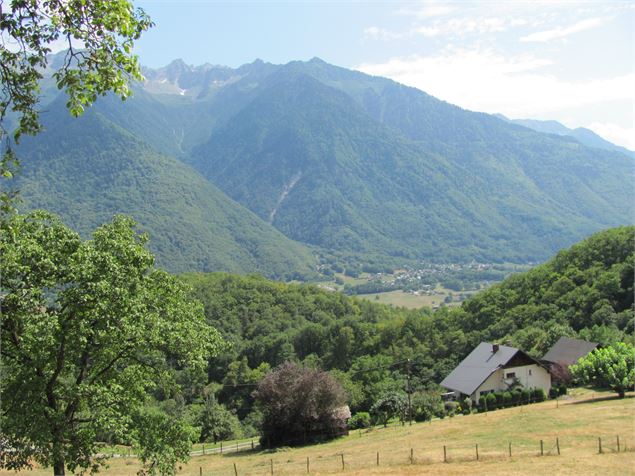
(511, 398)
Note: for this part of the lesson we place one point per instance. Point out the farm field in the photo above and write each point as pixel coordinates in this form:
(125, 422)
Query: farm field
(413, 301)
(576, 422)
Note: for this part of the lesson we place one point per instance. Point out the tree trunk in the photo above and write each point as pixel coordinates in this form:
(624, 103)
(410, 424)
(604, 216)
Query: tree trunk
(58, 468)
(621, 392)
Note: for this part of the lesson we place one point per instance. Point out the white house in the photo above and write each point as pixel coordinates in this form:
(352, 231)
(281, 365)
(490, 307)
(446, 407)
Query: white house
(493, 367)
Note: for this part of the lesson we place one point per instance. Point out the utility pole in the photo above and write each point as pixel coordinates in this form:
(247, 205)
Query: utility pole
(409, 394)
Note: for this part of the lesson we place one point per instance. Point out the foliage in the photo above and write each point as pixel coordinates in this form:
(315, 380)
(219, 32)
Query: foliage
(299, 404)
(193, 225)
(426, 405)
(99, 36)
(359, 420)
(388, 406)
(609, 367)
(589, 286)
(216, 422)
(87, 328)
(162, 441)
(377, 173)
(539, 395)
(507, 399)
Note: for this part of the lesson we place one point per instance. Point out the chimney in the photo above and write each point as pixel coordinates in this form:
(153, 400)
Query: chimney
(494, 348)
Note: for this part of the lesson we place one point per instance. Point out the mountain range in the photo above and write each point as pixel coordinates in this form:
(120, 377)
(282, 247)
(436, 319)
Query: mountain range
(581, 134)
(264, 167)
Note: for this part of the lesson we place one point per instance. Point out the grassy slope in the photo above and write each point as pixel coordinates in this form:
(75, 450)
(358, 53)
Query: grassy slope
(577, 422)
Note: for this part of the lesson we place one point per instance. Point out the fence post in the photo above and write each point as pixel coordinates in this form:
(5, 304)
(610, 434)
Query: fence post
(221, 447)
(600, 444)
(510, 449)
(378, 458)
(236, 446)
(445, 455)
(412, 456)
(307, 465)
(342, 455)
(203, 450)
(235, 470)
(252, 443)
(476, 451)
(618, 443)
(558, 445)
(271, 461)
(542, 452)
(200, 471)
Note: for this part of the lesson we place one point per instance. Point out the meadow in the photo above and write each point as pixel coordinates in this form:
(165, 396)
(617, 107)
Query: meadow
(571, 426)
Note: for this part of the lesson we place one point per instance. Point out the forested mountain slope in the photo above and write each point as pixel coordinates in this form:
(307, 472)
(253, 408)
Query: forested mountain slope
(350, 162)
(585, 291)
(364, 169)
(88, 169)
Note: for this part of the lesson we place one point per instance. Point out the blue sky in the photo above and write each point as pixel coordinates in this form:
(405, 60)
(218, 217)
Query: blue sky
(572, 61)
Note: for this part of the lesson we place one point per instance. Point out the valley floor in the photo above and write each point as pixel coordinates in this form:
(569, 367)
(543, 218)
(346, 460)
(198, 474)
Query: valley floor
(576, 422)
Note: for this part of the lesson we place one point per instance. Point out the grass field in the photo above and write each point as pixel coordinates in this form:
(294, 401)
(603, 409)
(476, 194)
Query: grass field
(577, 423)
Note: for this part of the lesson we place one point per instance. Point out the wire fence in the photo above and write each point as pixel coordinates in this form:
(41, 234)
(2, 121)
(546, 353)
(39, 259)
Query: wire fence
(291, 463)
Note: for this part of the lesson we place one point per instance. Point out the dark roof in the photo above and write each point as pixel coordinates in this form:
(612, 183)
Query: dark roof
(568, 351)
(479, 365)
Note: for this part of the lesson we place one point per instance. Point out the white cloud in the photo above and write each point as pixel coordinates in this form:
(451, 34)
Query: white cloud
(624, 136)
(516, 86)
(557, 33)
(463, 26)
(428, 9)
(377, 33)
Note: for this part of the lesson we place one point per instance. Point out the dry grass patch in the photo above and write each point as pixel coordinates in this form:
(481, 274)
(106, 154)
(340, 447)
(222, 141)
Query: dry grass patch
(577, 423)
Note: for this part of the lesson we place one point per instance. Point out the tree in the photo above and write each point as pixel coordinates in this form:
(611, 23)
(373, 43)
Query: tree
(98, 35)
(609, 367)
(299, 404)
(216, 422)
(87, 330)
(389, 406)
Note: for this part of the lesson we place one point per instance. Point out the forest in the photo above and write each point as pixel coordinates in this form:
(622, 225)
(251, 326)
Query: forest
(585, 291)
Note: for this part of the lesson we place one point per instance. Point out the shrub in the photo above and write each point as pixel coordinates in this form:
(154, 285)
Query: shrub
(451, 408)
(491, 401)
(507, 399)
(299, 404)
(359, 420)
(467, 405)
(525, 396)
(499, 399)
(553, 393)
(425, 405)
(517, 395)
(539, 395)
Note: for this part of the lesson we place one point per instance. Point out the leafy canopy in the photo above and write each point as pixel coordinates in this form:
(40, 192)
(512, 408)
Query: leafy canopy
(88, 328)
(299, 404)
(98, 35)
(610, 367)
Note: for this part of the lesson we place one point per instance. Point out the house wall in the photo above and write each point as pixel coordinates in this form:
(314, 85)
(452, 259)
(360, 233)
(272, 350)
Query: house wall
(530, 376)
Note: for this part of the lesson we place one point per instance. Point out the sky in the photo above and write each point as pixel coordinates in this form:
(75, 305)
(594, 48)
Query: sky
(570, 61)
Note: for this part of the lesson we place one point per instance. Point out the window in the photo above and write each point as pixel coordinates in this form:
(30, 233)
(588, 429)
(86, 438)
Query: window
(513, 374)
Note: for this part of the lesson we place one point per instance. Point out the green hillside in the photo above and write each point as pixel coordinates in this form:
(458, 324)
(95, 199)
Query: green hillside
(410, 177)
(585, 292)
(88, 169)
(368, 172)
